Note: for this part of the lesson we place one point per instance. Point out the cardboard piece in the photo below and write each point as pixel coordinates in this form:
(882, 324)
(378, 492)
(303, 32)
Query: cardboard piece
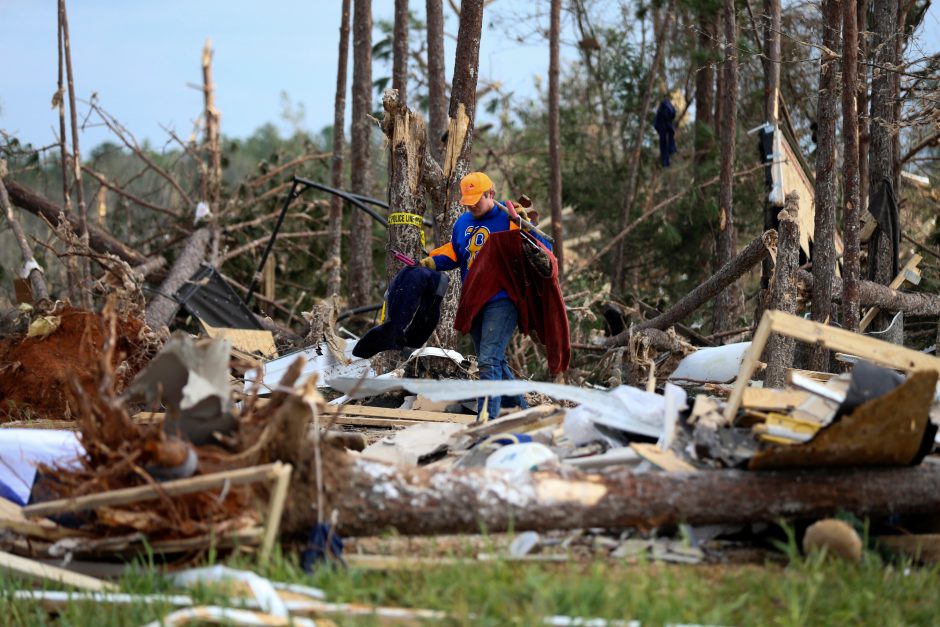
(247, 340)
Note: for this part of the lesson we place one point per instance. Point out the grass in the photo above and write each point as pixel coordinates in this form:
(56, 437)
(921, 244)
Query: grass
(808, 591)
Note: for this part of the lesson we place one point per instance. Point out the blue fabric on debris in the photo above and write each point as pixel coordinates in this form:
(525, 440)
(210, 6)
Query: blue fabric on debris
(412, 309)
(665, 127)
(321, 541)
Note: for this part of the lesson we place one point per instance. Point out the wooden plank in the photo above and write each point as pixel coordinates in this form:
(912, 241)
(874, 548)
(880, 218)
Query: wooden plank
(272, 521)
(896, 282)
(874, 350)
(391, 423)
(32, 569)
(515, 420)
(399, 414)
(812, 374)
(667, 460)
(248, 340)
(769, 399)
(12, 518)
(148, 493)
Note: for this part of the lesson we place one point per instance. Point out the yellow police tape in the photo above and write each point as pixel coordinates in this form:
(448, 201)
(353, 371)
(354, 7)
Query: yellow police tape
(411, 219)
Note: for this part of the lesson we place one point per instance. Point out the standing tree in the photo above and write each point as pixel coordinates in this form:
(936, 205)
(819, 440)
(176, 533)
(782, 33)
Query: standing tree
(334, 279)
(824, 253)
(728, 304)
(437, 81)
(84, 269)
(400, 51)
(554, 133)
(360, 234)
(771, 104)
(851, 265)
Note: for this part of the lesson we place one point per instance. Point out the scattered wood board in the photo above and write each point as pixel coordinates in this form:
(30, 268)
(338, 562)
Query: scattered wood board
(399, 414)
(32, 569)
(247, 340)
(12, 518)
(876, 351)
(769, 399)
(896, 282)
(667, 460)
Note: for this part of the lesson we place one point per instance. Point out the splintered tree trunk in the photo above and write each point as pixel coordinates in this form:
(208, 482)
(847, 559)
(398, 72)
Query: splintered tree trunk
(360, 232)
(636, 151)
(437, 98)
(824, 252)
(851, 265)
(71, 263)
(370, 498)
(163, 306)
(729, 302)
(400, 51)
(771, 103)
(213, 190)
(84, 269)
(779, 351)
(334, 276)
(456, 163)
(37, 284)
(882, 159)
(554, 133)
(407, 144)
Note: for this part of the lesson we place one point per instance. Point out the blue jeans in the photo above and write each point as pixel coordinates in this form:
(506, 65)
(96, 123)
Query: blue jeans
(491, 331)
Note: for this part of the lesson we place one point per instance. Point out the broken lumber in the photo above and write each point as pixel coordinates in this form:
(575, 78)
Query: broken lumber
(98, 239)
(371, 497)
(411, 415)
(872, 294)
(163, 307)
(32, 569)
(753, 254)
(898, 281)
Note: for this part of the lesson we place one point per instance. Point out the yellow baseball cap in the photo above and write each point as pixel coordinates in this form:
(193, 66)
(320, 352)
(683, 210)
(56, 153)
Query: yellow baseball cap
(473, 186)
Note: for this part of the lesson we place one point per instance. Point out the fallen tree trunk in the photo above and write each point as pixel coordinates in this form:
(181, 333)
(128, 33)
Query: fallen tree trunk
(371, 497)
(753, 254)
(163, 307)
(37, 283)
(98, 239)
(871, 294)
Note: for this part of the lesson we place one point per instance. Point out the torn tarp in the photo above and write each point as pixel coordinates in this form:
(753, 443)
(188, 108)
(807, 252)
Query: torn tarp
(616, 409)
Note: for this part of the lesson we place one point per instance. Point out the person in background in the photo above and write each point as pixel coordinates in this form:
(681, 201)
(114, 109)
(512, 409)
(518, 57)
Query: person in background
(494, 325)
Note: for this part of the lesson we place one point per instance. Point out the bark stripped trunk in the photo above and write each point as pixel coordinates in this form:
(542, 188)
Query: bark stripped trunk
(824, 252)
(37, 284)
(851, 266)
(637, 148)
(370, 498)
(98, 239)
(554, 134)
(163, 306)
(883, 161)
(407, 144)
(779, 351)
(84, 270)
(400, 51)
(360, 233)
(437, 98)
(456, 163)
(753, 254)
(729, 303)
(334, 276)
(212, 191)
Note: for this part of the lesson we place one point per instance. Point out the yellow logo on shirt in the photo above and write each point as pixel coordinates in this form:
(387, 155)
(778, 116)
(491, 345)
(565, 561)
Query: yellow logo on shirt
(477, 237)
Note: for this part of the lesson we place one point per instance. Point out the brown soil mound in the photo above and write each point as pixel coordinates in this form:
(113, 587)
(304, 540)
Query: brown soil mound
(36, 374)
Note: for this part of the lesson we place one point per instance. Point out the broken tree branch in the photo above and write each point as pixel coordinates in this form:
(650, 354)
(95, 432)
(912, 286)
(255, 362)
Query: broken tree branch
(98, 239)
(871, 294)
(36, 283)
(753, 254)
(163, 307)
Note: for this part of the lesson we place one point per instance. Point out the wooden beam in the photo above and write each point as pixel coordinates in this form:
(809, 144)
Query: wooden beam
(272, 521)
(768, 399)
(32, 569)
(399, 414)
(874, 350)
(241, 476)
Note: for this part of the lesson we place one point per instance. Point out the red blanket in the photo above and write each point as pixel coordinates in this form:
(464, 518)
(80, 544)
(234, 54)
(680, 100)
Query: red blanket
(501, 265)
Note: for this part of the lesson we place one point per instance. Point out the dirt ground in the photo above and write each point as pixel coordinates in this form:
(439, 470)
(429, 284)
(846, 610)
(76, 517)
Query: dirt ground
(36, 375)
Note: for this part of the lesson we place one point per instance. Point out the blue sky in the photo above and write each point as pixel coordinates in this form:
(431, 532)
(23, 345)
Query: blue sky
(139, 58)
